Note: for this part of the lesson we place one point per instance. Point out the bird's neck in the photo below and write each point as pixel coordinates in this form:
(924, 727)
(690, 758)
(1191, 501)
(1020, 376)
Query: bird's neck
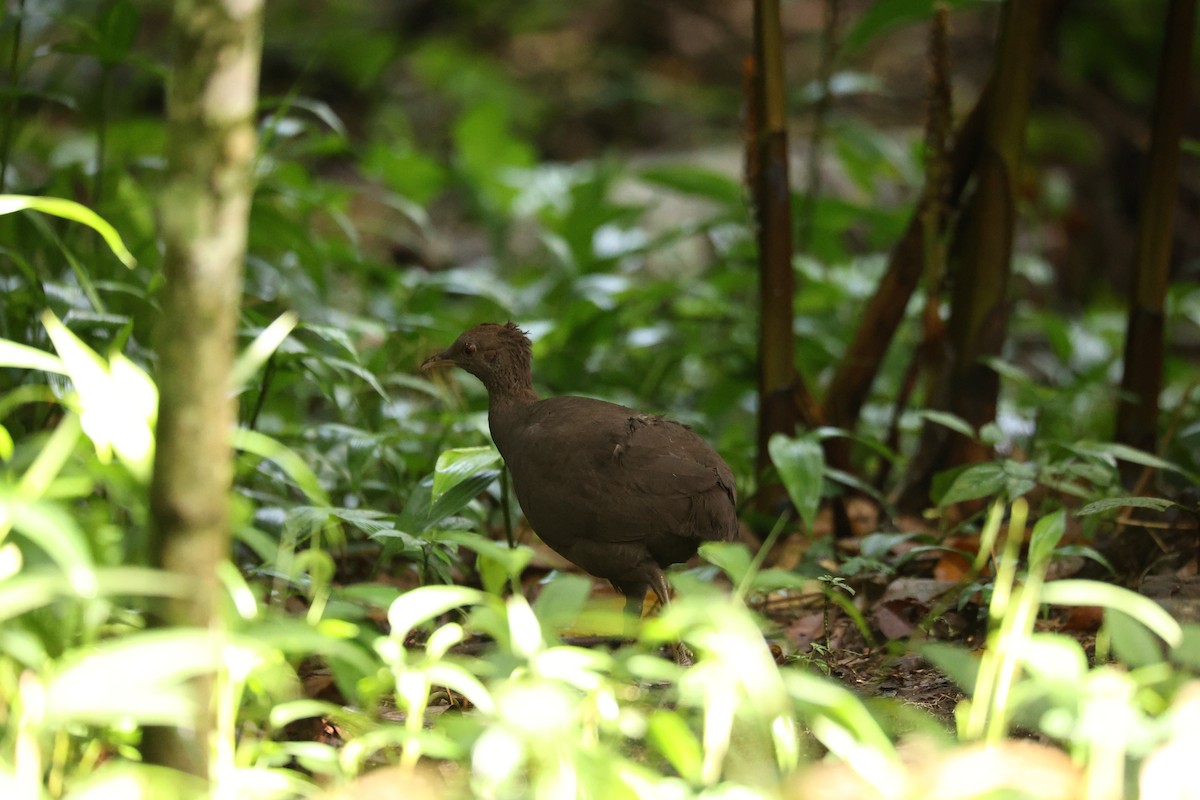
(508, 392)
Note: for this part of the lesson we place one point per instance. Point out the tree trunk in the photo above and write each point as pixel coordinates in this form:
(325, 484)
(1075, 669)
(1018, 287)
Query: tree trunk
(211, 145)
(767, 173)
(982, 254)
(1141, 381)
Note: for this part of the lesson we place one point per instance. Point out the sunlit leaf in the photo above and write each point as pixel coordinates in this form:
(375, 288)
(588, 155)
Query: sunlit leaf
(1046, 535)
(1107, 595)
(118, 402)
(69, 209)
(22, 356)
(145, 677)
(263, 346)
(455, 466)
(427, 602)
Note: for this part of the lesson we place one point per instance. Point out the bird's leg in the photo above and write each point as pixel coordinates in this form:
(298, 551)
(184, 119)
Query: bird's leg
(683, 656)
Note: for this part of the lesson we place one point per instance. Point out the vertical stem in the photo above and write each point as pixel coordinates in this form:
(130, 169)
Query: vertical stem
(816, 141)
(1141, 381)
(10, 117)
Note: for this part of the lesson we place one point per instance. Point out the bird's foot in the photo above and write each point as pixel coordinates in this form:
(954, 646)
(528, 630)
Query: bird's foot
(683, 656)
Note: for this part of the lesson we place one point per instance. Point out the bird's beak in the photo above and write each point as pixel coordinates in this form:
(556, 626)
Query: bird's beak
(437, 360)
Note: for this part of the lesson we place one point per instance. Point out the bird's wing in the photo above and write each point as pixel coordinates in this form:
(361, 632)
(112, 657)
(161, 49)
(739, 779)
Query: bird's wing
(619, 475)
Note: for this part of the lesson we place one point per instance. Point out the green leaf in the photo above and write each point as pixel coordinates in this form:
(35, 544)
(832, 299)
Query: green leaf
(1106, 595)
(981, 480)
(562, 600)
(510, 560)
(884, 16)
(951, 421)
(801, 465)
(57, 533)
(957, 663)
(1047, 533)
(670, 735)
(264, 446)
(455, 466)
(1055, 658)
(117, 30)
(146, 677)
(263, 346)
(428, 602)
(1187, 652)
(20, 356)
(69, 209)
(730, 557)
(1132, 643)
(118, 401)
(1109, 503)
(697, 181)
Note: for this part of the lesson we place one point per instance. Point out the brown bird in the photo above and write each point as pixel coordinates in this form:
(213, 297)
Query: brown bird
(619, 493)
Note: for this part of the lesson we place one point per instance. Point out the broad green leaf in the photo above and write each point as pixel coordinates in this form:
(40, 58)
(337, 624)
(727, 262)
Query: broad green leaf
(428, 602)
(130, 780)
(458, 496)
(801, 464)
(1094, 593)
(455, 466)
(732, 558)
(1132, 642)
(1054, 658)
(981, 480)
(146, 677)
(118, 402)
(1187, 652)
(562, 600)
(69, 209)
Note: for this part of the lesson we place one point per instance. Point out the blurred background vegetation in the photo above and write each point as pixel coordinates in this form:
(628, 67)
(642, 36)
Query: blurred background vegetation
(578, 168)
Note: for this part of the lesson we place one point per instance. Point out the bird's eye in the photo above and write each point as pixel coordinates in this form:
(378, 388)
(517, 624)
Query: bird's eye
(469, 348)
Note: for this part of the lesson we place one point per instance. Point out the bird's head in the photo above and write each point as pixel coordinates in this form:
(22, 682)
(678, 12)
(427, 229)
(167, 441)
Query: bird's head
(496, 354)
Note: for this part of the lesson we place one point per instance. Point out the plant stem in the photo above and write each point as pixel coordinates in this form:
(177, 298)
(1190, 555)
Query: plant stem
(6, 128)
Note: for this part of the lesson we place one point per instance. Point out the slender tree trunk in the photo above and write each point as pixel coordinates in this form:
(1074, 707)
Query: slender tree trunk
(851, 384)
(982, 252)
(204, 212)
(767, 173)
(1141, 381)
